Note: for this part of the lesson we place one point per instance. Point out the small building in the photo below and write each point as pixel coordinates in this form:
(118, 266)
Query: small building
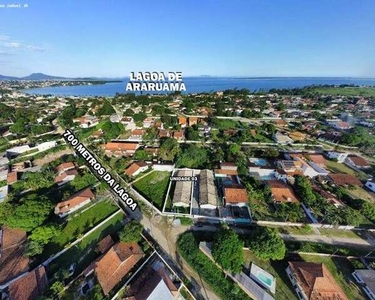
(318, 159)
(340, 125)
(193, 121)
(336, 155)
(74, 202)
(344, 180)
(4, 173)
(120, 149)
(280, 138)
(136, 168)
(105, 244)
(178, 135)
(235, 195)
(65, 177)
(228, 166)
(163, 133)
(370, 185)
(12, 177)
(182, 121)
(281, 123)
(87, 121)
(313, 281)
(61, 168)
(182, 191)
(29, 287)
(207, 190)
(116, 263)
(357, 162)
(281, 192)
(137, 134)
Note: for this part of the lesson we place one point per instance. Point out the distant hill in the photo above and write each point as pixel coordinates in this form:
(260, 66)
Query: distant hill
(41, 76)
(4, 77)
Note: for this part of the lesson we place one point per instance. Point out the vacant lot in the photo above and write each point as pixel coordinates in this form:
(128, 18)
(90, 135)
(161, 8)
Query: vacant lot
(360, 193)
(283, 286)
(341, 269)
(154, 187)
(336, 167)
(346, 91)
(79, 225)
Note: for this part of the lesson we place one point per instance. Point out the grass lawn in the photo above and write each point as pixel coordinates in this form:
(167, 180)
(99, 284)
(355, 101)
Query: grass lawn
(360, 193)
(84, 252)
(339, 168)
(304, 230)
(339, 233)
(79, 225)
(341, 270)
(346, 91)
(154, 187)
(284, 289)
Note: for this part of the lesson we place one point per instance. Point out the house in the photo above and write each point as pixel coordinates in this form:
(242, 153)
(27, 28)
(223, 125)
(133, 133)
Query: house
(29, 287)
(313, 281)
(148, 122)
(16, 151)
(297, 136)
(74, 202)
(281, 123)
(13, 262)
(261, 168)
(182, 191)
(65, 177)
(317, 159)
(61, 168)
(136, 168)
(366, 279)
(281, 192)
(370, 185)
(182, 121)
(120, 149)
(105, 244)
(153, 283)
(336, 155)
(86, 121)
(163, 133)
(280, 138)
(137, 134)
(340, 125)
(153, 150)
(178, 135)
(235, 195)
(193, 121)
(344, 180)
(357, 161)
(116, 263)
(12, 177)
(207, 190)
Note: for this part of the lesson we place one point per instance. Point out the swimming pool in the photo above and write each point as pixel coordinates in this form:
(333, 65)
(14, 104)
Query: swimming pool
(261, 162)
(263, 278)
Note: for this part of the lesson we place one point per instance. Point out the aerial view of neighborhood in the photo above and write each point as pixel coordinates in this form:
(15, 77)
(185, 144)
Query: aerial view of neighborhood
(122, 181)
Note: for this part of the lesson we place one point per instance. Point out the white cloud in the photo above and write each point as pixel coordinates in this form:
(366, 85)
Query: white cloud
(5, 41)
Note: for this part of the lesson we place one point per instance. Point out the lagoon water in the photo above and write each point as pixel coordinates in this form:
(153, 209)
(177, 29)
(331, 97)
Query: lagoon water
(205, 84)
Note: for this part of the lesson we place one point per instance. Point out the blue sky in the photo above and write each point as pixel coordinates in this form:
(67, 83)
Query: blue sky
(197, 37)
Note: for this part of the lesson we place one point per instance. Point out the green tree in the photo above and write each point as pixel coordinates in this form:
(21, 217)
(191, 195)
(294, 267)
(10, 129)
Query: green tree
(266, 244)
(44, 234)
(227, 250)
(192, 156)
(106, 109)
(304, 189)
(192, 134)
(131, 232)
(142, 154)
(169, 149)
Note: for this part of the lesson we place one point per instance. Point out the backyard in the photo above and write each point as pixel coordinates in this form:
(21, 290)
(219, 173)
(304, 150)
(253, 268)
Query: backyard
(341, 269)
(78, 225)
(283, 286)
(336, 167)
(154, 187)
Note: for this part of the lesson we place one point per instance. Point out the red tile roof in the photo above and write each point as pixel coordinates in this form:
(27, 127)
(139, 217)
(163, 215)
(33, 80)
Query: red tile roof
(12, 177)
(74, 200)
(65, 166)
(359, 161)
(134, 167)
(316, 281)
(317, 158)
(281, 192)
(104, 245)
(235, 194)
(116, 263)
(345, 179)
(12, 248)
(30, 286)
(63, 175)
(120, 146)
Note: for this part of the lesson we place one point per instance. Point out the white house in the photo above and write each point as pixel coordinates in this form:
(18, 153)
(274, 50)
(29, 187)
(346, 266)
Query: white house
(371, 185)
(73, 203)
(357, 161)
(336, 155)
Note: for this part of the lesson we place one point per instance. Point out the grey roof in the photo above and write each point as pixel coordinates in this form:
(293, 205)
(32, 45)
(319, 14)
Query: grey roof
(182, 192)
(207, 188)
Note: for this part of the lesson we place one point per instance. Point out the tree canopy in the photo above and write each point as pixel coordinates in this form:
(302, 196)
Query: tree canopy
(227, 250)
(131, 232)
(266, 244)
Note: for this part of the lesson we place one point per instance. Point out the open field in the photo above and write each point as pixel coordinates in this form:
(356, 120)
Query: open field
(345, 91)
(79, 225)
(339, 168)
(341, 269)
(154, 187)
(283, 286)
(360, 193)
